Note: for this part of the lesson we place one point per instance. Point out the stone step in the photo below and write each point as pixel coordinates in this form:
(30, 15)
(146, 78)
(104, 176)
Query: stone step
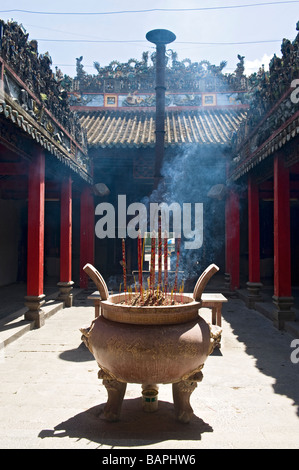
(13, 326)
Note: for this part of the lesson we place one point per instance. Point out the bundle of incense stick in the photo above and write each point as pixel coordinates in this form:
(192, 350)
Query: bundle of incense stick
(152, 296)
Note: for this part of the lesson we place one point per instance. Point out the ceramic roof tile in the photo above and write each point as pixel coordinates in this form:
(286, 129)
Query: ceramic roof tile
(137, 129)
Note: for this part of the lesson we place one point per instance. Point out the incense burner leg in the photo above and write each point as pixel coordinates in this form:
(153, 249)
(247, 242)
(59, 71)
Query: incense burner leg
(116, 391)
(181, 392)
(150, 397)
(150, 387)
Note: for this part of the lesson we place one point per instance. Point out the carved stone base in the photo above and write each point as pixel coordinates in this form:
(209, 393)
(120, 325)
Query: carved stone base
(227, 281)
(254, 295)
(283, 312)
(65, 294)
(34, 304)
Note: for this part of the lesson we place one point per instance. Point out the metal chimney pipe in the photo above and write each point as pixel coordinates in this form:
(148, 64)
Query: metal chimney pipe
(160, 37)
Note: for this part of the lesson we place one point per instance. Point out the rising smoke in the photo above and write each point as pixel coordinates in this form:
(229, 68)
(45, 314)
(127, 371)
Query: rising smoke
(187, 177)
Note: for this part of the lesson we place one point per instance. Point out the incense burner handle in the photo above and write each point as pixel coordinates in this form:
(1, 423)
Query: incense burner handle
(98, 280)
(203, 280)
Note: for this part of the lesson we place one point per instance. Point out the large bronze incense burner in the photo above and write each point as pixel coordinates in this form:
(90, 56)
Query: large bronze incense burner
(150, 345)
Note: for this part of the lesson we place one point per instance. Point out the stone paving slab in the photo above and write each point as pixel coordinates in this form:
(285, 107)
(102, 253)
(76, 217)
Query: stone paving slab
(51, 398)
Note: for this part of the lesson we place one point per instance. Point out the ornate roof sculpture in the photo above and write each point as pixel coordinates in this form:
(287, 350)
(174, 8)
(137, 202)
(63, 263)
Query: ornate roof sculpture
(37, 100)
(180, 76)
(117, 104)
(273, 117)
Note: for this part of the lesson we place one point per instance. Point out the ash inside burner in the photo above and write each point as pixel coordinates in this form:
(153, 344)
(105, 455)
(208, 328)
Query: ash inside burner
(150, 299)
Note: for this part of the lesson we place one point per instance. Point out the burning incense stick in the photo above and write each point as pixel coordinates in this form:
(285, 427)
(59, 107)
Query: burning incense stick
(139, 261)
(124, 264)
(159, 252)
(165, 262)
(142, 257)
(177, 265)
(153, 259)
(135, 285)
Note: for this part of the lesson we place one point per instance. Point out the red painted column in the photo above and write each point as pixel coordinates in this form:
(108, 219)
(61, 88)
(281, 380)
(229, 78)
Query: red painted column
(233, 239)
(253, 231)
(282, 243)
(227, 243)
(87, 233)
(66, 283)
(235, 233)
(35, 261)
(253, 284)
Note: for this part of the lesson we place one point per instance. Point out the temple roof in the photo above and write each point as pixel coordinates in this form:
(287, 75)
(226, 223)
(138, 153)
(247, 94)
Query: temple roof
(137, 129)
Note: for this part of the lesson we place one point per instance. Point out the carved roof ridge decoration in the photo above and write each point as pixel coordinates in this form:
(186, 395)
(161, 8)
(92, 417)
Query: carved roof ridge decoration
(137, 129)
(139, 76)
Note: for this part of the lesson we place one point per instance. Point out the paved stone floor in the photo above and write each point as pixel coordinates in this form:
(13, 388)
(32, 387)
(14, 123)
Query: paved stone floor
(51, 398)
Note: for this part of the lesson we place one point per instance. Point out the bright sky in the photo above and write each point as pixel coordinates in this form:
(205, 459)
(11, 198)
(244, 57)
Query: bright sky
(116, 29)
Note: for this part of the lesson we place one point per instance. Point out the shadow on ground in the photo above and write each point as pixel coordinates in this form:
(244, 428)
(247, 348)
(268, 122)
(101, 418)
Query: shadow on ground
(79, 354)
(270, 347)
(135, 428)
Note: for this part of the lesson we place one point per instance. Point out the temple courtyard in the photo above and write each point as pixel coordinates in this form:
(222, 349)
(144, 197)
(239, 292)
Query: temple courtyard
(51, 397)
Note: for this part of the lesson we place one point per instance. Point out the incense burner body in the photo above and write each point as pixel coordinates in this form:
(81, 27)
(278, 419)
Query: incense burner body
(149, 346)
(143, 345)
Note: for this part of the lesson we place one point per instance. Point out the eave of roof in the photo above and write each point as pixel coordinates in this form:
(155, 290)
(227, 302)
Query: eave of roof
(19, 117)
